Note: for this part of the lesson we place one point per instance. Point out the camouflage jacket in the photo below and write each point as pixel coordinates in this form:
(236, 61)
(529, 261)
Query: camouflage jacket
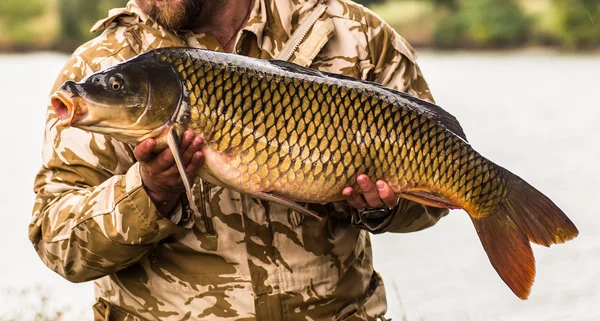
(239, 258)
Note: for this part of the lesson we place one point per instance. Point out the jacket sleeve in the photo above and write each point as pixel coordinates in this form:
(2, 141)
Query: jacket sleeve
(394, 65)
(91, 215)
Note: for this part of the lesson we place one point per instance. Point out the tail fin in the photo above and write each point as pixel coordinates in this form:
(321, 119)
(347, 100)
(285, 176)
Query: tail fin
(526, 215)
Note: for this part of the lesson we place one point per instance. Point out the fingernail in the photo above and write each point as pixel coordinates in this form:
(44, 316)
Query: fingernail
(380, 185)
(150, 143)
(361, 179)
(197, 156)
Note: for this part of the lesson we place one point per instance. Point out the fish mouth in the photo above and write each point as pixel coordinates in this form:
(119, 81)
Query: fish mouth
(65, 106)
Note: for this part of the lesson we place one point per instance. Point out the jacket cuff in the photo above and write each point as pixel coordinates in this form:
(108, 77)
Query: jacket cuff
(412, 216)
(375, 224)
(138, 201)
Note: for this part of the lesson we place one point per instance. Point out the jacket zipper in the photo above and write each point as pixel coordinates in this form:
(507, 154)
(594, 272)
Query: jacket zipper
(301, 33)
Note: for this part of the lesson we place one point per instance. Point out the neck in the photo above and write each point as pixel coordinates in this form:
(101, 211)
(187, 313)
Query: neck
(223, 19)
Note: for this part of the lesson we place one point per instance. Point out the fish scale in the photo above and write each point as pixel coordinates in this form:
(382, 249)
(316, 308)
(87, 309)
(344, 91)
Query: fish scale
(284, 133)
(327, 131)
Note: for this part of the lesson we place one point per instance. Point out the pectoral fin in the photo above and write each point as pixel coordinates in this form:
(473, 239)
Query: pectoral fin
(174, 147)
(285, 202)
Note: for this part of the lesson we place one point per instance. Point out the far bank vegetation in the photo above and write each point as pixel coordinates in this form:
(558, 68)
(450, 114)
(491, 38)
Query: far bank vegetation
(441, 24)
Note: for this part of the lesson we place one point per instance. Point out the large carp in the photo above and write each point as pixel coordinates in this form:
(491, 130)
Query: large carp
(289, 134)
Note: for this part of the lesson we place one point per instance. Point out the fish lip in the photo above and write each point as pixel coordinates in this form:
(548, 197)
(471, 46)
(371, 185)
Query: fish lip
(64, 106)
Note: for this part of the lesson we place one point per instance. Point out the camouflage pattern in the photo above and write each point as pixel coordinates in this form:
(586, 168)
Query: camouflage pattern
(236, 258)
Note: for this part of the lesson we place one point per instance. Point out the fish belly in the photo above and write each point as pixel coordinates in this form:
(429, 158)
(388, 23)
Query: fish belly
(272, 171)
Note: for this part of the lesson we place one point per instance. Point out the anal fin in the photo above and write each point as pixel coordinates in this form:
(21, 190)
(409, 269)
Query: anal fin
(429, 198)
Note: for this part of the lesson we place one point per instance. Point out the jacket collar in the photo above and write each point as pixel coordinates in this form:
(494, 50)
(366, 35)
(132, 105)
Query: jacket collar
(283, 17)
(304, 27)
(257, 21)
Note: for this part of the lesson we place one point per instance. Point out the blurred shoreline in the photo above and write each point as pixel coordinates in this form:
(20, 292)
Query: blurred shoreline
(425, 50)
(440, 25)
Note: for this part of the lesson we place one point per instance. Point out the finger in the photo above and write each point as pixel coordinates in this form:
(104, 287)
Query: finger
(354, 198)
(171, 177)
(163, 161)
(194, 166)
(171, 180)
(187, 139)
(191, 150)
(370, 192)
(192, 143)
(386, 194)
(143, 151)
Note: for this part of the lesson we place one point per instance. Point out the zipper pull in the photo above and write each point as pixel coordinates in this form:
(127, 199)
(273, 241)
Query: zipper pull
(294, 41)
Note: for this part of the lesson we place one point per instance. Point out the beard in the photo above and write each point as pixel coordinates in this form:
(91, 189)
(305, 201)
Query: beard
(177, 16)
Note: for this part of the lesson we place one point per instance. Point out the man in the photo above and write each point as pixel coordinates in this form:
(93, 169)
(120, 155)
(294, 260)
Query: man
(115, 213)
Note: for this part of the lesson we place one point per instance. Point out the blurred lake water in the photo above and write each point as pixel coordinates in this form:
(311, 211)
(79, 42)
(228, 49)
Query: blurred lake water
(534, 113)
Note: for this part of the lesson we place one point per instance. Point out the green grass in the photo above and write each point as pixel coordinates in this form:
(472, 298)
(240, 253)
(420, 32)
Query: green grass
(424, 24)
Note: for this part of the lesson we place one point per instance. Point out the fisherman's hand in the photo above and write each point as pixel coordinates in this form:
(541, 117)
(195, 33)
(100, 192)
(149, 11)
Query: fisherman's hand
(159, 173)
(374, 195)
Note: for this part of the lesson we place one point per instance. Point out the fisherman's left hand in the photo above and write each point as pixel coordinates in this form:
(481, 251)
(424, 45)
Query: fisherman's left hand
(374, 194)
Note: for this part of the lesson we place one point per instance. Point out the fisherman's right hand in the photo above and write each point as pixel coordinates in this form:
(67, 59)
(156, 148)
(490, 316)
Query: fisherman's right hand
(159, 172)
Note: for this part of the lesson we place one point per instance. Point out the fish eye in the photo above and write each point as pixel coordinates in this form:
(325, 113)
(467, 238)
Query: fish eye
(115, 82)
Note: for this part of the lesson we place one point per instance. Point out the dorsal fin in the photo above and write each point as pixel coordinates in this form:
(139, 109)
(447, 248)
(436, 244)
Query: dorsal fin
(438, 113)
(292, 67)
